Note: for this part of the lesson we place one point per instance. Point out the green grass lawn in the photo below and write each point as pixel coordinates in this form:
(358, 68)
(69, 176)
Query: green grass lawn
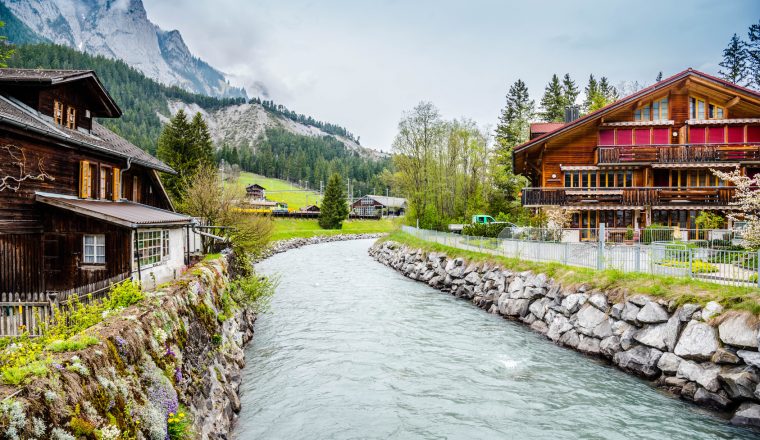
(285, 228)
(281, 191)
(614, 282)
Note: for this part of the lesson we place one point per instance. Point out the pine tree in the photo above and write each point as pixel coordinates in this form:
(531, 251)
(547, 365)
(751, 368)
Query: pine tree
(609, 92)
(334, 207)
(753, 55)
(592, 95)
(735, 61)
(659, 77)
(553, 102)
(570, 91)
(203, 146)
(175, 149)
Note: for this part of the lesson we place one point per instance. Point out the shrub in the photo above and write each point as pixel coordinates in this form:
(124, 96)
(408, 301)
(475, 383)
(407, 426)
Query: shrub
(252, 291)
(709, 220)
(179, 426)
(490, 230)
(124, 294)
(72, 344)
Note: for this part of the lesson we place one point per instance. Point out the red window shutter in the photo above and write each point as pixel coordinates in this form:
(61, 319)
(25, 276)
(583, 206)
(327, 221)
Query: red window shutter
(624, 136)
(716, 135)
(661, 136)
(606, 137)
(697, 135)
(642, 136)
(736, 134)
(753, 133)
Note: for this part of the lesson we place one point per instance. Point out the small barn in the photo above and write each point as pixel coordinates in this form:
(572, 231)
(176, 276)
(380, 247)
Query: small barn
(310, 208)
(378, 206)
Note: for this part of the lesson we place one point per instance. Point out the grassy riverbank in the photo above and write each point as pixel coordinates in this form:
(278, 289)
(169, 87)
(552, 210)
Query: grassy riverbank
(682, 290)
(285, 228)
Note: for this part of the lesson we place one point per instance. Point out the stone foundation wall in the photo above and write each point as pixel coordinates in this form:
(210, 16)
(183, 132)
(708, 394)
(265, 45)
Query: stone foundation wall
(699, 353)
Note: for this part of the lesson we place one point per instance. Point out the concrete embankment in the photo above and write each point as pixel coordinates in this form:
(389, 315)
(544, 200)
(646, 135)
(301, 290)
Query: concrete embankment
(697, 352)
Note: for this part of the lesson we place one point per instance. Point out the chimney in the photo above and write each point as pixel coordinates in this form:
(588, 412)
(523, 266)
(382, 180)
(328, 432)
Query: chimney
(572, 112)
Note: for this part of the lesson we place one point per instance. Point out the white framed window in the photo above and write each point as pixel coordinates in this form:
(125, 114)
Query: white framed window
(152, 246)
(94, 246)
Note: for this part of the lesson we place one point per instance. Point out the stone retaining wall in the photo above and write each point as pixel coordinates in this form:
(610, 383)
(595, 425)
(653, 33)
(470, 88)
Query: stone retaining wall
(281, 246)
(699, 353)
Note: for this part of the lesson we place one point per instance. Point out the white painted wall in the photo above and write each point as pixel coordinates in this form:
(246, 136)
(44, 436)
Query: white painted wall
(170, 267)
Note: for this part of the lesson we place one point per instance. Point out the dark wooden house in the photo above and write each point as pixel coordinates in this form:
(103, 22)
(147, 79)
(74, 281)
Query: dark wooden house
(79, 205)
(255, 192)
(378, 206)
(647, 158)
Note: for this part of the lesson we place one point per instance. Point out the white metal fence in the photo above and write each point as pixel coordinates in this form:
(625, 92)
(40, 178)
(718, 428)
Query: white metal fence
(661, 257)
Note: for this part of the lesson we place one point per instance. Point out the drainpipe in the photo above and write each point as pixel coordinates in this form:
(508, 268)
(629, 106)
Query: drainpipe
(137, 256)
(121, 175)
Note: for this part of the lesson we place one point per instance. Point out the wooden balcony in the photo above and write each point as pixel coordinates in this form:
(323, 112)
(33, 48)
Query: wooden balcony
(650, 196)
(672, 154)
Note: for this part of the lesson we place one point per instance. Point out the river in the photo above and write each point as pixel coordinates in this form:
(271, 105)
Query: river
(351, 349)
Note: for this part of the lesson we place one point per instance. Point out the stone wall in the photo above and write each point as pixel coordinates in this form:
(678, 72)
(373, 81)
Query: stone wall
(281, 246)
(699, 353)
(182, 344)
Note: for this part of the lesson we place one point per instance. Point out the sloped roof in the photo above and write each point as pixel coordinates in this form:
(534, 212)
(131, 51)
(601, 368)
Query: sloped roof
(391, 202)
(100, 139)
(50, 77)
(122, 213)
(545, 127)
(254, 186)
(633, 97)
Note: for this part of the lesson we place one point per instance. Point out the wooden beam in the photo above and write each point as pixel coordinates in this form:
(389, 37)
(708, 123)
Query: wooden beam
(732, 102)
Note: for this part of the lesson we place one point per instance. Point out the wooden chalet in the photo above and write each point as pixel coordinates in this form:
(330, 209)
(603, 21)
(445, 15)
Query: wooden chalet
(79, 205)
(647, 157)
(255, 192)
(377, 206)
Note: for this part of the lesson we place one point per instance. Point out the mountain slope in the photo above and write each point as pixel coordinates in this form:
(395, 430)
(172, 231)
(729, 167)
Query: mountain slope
(120, 30)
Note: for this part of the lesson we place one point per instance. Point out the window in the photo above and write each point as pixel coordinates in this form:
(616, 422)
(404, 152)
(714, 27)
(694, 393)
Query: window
(94, 249)
(660, 109)
(71, 117)
(58, 112)
(715, 112)
(642, 113)
(696, 108)
(106, 182)
(152, 246)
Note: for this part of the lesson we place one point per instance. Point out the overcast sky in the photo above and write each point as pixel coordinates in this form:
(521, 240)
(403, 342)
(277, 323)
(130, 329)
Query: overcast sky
(362, 63)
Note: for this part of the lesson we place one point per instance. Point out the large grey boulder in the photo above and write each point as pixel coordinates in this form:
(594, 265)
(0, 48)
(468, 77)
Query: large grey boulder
(630, 311)
(711, 309)
(570, 338)
(669, 363)
(739, 383)
(686, 312)
(537, 281)
(748, 414)
(617, 310)
(599, 300)
(603, 330)
(589, 345)
(705, 374)
(610, 345)
(724, 356)
(559, 325)
(516, 307)
(540, 326)
(588, 318)
(652, 313)
(640, 360)
(639, 300)
(660, 336)
(739, 330)
(698, 341)
(714, 400)
(573, 302)
(472, 278)
(626, 339)
(539, 307)
(750, 357)
(620, 327)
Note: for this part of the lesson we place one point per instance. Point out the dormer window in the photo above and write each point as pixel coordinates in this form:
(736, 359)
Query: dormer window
(652, 111)
(71, 117)
(58, 112)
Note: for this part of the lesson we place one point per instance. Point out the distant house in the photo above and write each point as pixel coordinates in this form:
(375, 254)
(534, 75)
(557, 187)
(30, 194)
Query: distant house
(377, 206)
(255, 192)
(310, 208)
(262, 204)
(79, 205)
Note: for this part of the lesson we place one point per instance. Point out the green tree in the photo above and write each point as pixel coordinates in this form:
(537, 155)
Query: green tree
(753, 54)
(176, 149)
(570, 91)
(553, 101)
(202, 145)
(6, 50)
(734, 62)
(334, 207)
(659, 76)
(609, 92)
(599, 94)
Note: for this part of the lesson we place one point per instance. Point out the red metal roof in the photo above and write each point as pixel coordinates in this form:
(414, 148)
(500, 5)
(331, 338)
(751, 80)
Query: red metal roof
(545, 127)
(123, 213)
(632, 97)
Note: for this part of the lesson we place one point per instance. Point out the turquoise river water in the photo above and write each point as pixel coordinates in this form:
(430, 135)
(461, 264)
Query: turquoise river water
(351, 349)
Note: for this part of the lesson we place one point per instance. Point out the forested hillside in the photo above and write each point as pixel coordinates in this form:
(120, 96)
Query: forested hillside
(280, 153)
(293, 157)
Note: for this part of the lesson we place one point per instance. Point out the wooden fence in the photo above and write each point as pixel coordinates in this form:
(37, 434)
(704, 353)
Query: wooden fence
(20, 312)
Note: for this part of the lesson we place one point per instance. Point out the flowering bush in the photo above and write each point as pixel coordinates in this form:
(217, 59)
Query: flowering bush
(179, 426)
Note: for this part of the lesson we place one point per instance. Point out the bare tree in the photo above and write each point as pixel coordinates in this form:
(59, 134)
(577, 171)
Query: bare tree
(15, 169)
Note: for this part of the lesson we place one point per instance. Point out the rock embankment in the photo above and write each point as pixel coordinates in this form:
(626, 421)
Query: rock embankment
(182, 345)
(281, 246)
(699, 353)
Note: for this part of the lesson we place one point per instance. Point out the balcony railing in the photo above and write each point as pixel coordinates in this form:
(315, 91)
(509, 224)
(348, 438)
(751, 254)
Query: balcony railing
(647, 196)
(693, 153)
